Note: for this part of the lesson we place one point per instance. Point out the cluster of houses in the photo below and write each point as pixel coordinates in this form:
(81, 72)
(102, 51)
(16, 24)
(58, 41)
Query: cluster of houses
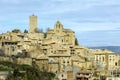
(57, 51)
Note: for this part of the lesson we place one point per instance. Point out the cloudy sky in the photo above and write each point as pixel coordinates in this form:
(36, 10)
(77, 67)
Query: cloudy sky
(95, 22)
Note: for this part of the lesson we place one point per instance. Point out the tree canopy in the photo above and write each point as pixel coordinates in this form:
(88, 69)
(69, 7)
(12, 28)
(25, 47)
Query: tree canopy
(76, 41)
(16, 31)
(25, 31)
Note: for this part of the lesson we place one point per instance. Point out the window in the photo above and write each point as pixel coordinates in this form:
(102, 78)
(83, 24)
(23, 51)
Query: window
(67, 61)
(56, 71)
(55, 52)
(59, 26)
(72, 51)
(66, 40)
(51, 51)
(103, 58)
(0, 37)
(12, 48)
(62, 40)
(116, 64)
(62, 75)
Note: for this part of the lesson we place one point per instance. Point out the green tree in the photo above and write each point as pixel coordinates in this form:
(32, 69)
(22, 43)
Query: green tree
(28, 72)
(25, 31)
(45, 35)
(15, 72)
(76, 41)
(16, 31)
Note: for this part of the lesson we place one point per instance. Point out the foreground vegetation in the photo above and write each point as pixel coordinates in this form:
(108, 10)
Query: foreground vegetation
(24, 72)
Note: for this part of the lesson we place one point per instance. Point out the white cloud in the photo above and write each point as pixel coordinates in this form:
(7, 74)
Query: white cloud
(81, 27)
(79, 15)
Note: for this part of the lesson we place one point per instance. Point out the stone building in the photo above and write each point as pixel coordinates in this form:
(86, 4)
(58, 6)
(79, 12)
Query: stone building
(42, 62)
(106, 61)
(55, 50)
(33, 23)
(62, 60)
(59, 35)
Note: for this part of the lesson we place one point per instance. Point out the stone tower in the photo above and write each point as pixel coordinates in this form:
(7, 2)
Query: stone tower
(33, 23)
(58, 28)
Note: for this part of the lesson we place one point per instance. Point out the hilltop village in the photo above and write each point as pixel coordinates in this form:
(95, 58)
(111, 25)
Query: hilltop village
(58, 51)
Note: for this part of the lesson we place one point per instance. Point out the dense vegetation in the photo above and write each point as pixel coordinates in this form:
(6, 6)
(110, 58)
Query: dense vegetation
(24, 72)
(16, 31)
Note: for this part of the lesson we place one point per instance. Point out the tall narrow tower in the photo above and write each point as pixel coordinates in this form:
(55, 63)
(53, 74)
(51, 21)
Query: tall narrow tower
(33, 23)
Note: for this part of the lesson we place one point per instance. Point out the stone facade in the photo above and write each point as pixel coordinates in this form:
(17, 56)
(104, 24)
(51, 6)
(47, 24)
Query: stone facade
(106, 59)
(59, 35)
(33, 23)
(55, 50)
